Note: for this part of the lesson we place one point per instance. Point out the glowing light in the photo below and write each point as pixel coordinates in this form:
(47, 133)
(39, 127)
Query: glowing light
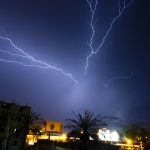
(15, 130)
(129, 141)
(114, 136)
(104, 134)
(31, 139)
(62, 138)
(31, 143)
(36, 63)
(93, 9)
(107, 135)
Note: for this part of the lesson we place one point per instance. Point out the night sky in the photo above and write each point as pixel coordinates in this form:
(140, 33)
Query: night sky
(58, 32)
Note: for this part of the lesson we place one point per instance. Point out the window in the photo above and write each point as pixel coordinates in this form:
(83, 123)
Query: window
(5, 105)
(20, 108)
(18, 119)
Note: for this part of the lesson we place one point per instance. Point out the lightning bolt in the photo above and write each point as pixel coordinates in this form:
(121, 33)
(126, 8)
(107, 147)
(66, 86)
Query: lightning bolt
(43, 65)
(37, 63)
(108, 82)
(92, 9)
(93, 50)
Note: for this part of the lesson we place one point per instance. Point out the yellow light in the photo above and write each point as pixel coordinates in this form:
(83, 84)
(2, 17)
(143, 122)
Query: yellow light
(31, 139)
(31, 143)
(64, 136)
(81, 132)
(129, 141)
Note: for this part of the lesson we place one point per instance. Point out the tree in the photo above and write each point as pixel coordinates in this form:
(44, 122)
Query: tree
(135, 133)
(85, 126)
(35, 118)
(35, 123)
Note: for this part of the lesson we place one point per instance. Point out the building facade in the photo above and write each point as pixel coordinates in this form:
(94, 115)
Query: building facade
(50, 130)
(13, 125)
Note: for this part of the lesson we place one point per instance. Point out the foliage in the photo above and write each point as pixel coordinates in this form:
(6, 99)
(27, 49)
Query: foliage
(85, 125)
(134, 132)
(35, 123)
(146, 139)
(35, 118)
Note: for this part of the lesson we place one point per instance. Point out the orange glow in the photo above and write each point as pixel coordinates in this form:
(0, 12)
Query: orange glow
(31, 139)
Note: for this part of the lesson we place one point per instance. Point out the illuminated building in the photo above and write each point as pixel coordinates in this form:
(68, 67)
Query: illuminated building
(53, 127)
(50, 131)
(13, 125)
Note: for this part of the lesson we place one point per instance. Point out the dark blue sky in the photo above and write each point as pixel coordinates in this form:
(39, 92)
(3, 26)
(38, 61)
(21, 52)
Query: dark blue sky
(58, 32)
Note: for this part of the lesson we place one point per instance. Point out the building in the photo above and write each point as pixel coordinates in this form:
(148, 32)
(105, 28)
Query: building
(53, 127)
(13, 125)
(51, 131)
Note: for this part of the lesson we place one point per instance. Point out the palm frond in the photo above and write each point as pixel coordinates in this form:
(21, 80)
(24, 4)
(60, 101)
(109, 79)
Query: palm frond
(87, 123)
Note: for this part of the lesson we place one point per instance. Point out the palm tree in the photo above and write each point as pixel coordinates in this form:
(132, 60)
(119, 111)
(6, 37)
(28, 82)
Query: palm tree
(35, 118)
(85, 126)
(34, 124)
(33, 121)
